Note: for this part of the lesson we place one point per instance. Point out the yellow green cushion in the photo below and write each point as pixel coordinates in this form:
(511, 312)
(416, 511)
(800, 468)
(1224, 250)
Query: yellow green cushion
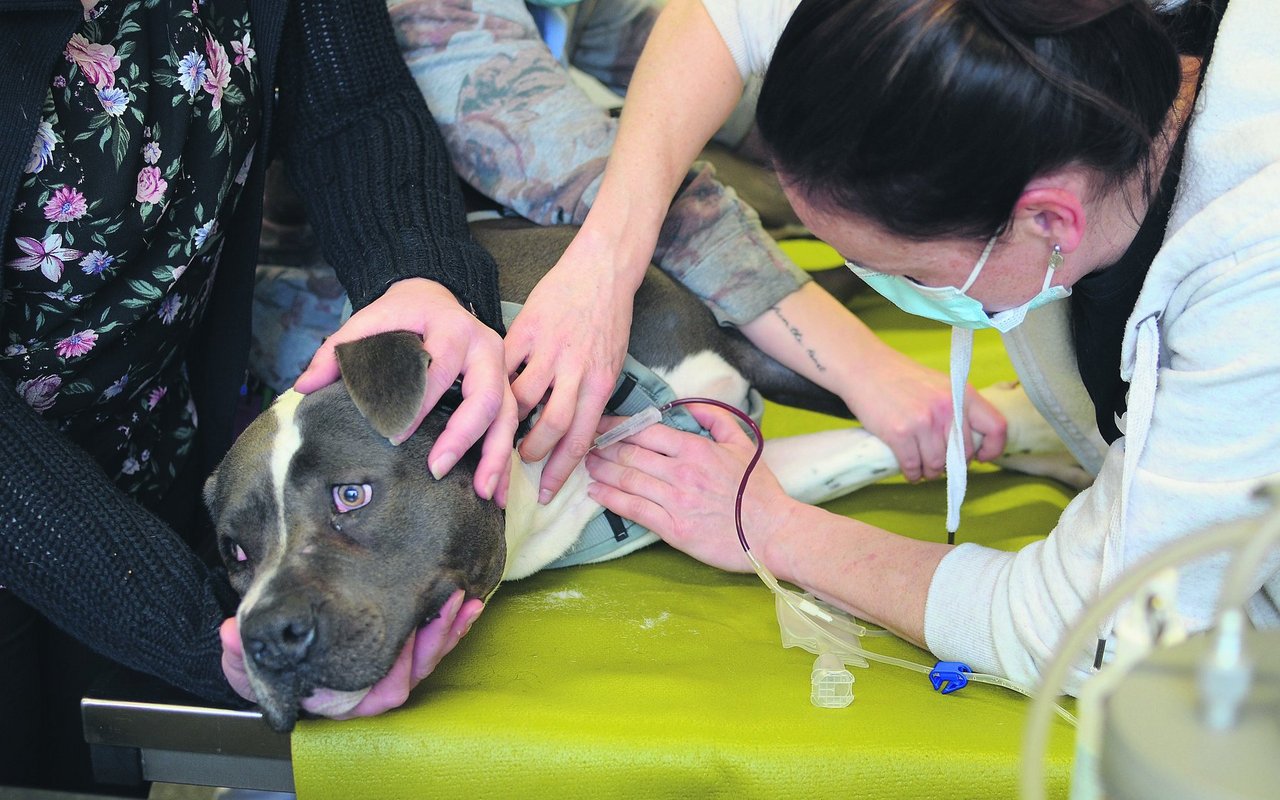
(811, 255)
(654, 676)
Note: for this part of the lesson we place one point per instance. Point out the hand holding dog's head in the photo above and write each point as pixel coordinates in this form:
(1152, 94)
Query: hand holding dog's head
(341, 543)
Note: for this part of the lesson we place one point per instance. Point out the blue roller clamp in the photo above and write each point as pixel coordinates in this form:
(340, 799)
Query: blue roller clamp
(949, 676)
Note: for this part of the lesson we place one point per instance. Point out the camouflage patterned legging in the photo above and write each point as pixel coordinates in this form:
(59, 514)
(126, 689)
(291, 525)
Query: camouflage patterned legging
(523, 133)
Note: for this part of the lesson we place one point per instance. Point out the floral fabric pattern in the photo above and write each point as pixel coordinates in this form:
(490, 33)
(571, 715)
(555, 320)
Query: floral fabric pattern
(138, 161)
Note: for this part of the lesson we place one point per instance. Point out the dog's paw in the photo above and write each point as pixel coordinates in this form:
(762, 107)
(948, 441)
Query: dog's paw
(1028, 432)
(1061, 467)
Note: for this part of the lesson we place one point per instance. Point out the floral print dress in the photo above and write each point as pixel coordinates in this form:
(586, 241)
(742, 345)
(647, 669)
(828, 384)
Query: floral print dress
(142, 152)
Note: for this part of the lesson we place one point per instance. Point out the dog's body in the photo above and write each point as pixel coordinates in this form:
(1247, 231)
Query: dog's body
(342, 544)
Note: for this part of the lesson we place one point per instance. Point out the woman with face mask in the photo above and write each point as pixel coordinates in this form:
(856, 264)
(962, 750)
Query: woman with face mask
(1095, 180)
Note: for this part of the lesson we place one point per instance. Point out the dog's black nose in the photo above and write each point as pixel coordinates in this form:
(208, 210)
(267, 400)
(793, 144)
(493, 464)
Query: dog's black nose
(277, 636)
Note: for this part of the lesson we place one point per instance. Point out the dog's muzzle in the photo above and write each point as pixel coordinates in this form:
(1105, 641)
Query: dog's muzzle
(278, 634)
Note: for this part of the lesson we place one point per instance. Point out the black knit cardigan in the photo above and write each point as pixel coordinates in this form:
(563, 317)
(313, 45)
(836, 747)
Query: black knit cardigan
(366, 156)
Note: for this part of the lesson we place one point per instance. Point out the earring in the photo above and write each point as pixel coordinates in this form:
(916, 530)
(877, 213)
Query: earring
(1055, 258)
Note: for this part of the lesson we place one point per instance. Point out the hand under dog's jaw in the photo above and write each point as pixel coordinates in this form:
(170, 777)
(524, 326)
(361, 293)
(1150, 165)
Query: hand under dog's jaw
(330, 680)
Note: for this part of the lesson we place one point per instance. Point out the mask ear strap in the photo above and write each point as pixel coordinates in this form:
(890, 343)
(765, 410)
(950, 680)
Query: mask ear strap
(1055, 261)
(982, 262)
(957, 463)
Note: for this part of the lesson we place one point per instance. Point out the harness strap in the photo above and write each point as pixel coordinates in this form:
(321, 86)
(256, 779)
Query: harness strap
(608, 535)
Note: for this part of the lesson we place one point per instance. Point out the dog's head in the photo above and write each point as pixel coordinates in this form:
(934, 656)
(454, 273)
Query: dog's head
(340, 543)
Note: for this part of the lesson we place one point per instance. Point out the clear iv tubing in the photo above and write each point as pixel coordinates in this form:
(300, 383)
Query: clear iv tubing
(803, 604)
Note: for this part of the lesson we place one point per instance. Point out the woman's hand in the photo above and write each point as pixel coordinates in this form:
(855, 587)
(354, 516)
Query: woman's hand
(683, 487)
(572, 334)
(418, 659)
(902, 402)
(571, 340)
(460, 345)
(908, 407)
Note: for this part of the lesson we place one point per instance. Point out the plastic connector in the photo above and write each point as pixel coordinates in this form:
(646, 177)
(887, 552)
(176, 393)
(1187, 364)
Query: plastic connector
(949, 676)
(832, 683)
(1225, 676)
(803, 623)
(629, 427)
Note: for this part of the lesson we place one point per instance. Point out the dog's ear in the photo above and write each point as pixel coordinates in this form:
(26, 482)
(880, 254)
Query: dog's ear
(386, 376)
(211, 494)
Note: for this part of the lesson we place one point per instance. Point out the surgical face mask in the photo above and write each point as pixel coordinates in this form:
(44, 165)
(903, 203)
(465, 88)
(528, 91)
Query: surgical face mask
(951, 305)
(964, 314)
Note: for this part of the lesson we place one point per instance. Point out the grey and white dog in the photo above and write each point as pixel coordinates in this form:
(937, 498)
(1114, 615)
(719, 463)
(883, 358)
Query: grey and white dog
(342, 544)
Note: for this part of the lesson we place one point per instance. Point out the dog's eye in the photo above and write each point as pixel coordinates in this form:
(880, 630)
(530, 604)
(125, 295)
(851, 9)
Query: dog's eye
(350, 496)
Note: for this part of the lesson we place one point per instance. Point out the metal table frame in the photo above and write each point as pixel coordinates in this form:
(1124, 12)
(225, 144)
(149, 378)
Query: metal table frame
(142, 731)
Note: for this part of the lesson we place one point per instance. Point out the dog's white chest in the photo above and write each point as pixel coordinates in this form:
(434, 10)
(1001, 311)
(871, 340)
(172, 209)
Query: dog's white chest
(537, 535)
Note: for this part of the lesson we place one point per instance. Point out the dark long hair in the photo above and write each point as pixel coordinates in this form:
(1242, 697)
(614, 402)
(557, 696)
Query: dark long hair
(930, 117)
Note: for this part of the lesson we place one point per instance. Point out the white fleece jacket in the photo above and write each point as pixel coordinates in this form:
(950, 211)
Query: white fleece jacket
(1201, 352)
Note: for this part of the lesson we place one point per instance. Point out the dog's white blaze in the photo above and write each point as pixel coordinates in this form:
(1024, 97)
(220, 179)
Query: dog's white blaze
(287, 440)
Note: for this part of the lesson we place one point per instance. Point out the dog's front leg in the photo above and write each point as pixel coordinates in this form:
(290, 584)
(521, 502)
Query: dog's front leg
(817, 467)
